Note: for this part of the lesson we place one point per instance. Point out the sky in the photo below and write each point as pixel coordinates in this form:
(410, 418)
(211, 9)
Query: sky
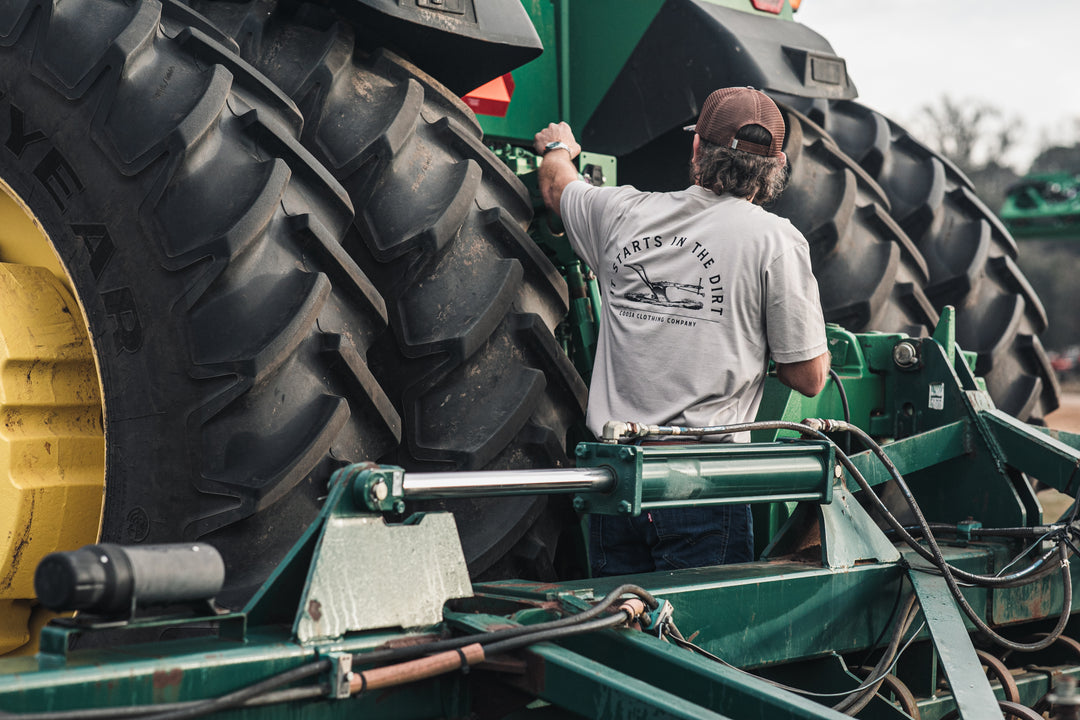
(1021, 57)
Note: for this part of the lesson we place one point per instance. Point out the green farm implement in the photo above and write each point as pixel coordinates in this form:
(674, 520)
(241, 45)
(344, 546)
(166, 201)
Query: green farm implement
(853, 606)
(292, 351)
(1044, 206)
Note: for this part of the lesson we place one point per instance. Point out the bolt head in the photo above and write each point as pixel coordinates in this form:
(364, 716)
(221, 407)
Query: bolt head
(626, 453)
(399, 507)
(580, 504)
(379, 491)
(582, 451)
(625, 507)
(905, 355)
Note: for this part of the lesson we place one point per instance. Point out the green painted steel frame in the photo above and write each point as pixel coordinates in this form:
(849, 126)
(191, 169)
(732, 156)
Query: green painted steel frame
(971, 690)
(768, 613)
(616, 674)
(185, 670)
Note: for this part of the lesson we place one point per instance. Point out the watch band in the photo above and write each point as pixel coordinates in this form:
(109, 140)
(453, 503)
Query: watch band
(556, 145)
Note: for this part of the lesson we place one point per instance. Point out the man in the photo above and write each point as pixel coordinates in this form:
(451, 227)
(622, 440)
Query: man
(700, 288)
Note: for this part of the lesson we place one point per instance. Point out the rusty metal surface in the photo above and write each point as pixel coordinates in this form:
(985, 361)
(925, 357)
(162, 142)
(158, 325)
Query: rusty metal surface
(1001, 673)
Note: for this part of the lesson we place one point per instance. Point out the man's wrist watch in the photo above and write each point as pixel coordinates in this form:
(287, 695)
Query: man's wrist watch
(557, 145)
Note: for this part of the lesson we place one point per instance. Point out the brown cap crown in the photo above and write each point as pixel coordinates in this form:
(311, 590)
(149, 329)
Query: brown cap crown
(729, 110)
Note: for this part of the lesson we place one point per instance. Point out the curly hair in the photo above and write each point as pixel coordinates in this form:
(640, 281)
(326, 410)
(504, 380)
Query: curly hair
(724, 170)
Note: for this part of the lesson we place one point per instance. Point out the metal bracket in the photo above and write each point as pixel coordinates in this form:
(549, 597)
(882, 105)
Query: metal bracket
(625, 461)
(367, 575)
(849, 535)
(340, 674)
(965, 528)
(56, 637)
(351, 571)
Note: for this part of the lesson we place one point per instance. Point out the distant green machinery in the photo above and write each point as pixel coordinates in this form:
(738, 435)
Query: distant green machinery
(1044, 206)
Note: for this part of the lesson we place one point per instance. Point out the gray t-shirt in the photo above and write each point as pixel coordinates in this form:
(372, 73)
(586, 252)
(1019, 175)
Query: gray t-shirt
(698, 291)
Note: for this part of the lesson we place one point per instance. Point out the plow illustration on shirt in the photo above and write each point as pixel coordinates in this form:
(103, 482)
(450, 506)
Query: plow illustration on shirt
(658, 291)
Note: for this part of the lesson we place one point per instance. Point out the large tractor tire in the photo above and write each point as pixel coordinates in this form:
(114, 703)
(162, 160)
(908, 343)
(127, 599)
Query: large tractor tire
(970, 254)
(870, 275)
(201, 247)
(473, 365)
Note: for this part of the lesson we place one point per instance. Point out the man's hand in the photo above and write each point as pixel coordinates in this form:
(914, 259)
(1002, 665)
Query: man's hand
(557, 132)
(557, 170)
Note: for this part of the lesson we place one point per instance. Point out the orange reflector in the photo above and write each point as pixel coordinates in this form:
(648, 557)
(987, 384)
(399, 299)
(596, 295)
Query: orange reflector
(772, 6)
(492, 98)
(795, 4)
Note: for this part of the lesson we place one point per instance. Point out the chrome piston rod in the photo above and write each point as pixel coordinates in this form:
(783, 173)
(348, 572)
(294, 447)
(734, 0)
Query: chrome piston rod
(492, 483)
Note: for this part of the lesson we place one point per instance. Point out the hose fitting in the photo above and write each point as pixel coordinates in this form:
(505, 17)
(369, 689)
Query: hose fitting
(826, 425)
(633, 607)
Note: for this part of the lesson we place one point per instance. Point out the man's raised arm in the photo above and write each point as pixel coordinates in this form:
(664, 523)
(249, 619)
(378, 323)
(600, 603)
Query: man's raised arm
(557, 171)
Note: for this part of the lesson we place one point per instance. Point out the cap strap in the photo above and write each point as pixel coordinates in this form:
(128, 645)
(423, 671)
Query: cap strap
(751, 147)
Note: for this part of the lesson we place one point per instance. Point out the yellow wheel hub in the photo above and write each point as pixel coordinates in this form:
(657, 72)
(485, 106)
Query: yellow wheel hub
(52, 445)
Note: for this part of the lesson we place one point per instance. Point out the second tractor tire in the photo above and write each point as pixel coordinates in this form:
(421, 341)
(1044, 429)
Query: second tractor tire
(970, 254)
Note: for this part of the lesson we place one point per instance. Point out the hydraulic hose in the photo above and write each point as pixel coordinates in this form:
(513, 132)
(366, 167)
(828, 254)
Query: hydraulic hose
(413, 651)
(1036, 570)
(843, 403)
(854, 703)
(843, 394)
(239, 697)
(1017, 532)
(816, 428)
(476, 652)
(1021, 577)
(933, 552)
(926, 553)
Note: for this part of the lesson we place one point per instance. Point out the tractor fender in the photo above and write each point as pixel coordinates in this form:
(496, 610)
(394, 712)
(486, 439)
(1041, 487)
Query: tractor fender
(466, 43)
(693, 47)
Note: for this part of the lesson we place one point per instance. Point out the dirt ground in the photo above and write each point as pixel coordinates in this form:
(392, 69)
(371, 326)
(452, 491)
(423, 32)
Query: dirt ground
(1066, 417)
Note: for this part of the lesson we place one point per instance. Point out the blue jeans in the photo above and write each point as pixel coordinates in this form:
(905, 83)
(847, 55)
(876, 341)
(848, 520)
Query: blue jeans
(670, 539)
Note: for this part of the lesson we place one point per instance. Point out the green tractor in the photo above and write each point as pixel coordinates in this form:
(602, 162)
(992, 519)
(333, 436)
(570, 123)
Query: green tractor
(248, 245)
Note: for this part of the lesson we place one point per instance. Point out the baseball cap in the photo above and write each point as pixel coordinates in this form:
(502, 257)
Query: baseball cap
(728, 110)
